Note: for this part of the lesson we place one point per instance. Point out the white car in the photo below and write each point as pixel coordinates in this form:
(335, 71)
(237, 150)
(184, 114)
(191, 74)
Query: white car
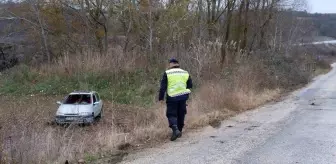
(79, 107)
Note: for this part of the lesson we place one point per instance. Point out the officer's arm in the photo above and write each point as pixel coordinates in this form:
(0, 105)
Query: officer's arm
(189, 83)
(163, 87)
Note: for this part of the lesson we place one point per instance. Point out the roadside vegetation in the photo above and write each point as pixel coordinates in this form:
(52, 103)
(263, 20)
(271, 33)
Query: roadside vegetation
(28, 96)
(240, 54)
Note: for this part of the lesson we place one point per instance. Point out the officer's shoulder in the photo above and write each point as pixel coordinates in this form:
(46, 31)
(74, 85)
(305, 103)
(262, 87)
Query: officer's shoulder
(184, 70)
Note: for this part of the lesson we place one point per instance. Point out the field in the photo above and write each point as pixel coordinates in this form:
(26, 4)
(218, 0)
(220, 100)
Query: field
(133, 119)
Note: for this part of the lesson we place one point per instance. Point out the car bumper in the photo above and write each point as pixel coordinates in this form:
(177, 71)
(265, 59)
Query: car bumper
(74, 119)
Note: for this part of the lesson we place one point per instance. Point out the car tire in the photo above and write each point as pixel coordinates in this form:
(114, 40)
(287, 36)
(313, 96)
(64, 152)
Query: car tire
(88, 123)
(100, 115)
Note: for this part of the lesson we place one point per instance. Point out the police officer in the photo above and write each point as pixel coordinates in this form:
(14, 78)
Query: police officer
(177, 83)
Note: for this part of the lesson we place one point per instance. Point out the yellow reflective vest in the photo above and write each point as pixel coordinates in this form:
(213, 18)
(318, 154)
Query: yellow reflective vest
(177, 82)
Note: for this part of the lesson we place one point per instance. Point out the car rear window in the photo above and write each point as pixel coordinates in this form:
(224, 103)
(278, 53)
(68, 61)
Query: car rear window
(78, 99)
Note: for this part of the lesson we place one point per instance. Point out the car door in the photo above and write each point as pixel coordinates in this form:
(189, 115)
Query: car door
(99, 103)
(95, 106)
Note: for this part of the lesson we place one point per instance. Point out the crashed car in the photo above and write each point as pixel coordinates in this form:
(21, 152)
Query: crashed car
(79, 107)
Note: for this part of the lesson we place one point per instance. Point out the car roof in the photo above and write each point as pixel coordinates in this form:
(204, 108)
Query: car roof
(82, 92)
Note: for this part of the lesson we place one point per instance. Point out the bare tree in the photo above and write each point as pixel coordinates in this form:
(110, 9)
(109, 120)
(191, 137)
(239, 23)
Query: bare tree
(247, 7)
(97, 12)
(224, 48)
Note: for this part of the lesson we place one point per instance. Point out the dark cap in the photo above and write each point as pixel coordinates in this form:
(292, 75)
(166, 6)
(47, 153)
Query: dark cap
(172, 60)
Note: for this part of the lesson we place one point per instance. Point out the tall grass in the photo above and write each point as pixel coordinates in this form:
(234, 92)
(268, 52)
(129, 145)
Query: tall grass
(128, 85)
(123, 81)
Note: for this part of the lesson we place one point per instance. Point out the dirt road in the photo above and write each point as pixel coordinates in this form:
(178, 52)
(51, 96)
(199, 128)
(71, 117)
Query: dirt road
(299, 129)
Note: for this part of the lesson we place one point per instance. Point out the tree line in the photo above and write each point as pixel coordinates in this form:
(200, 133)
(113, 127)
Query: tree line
(153, 27)
(325, 24)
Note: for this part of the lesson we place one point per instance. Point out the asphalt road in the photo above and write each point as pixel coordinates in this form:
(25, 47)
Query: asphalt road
(287, 132)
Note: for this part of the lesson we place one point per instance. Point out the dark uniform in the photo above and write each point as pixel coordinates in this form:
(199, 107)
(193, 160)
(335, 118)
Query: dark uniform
(177, 84)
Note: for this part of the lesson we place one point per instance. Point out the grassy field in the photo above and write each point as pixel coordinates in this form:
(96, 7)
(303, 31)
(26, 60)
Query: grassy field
(132, 117)
(122, 87)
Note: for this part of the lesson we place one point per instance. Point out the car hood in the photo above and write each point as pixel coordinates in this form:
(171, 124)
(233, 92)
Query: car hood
(74, 109)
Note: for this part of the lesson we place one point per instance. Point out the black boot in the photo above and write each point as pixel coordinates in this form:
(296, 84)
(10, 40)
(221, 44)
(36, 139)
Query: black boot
(180, 129)
(176, 133)
(180, 135)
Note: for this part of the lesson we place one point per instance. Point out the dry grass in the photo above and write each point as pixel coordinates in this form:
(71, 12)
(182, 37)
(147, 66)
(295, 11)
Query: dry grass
(26, 136)
(113, 62)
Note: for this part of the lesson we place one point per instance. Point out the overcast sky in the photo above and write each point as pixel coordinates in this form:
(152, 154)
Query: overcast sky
(322, 6)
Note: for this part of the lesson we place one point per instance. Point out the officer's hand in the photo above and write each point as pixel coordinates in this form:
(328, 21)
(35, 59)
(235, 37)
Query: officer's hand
(161, 102)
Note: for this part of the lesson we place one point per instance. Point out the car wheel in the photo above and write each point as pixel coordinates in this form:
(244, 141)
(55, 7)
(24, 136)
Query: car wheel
(99, 116)
(88, 123)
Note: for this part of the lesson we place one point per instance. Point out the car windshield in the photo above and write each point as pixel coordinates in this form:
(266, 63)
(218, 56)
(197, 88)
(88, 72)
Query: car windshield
(78, 99)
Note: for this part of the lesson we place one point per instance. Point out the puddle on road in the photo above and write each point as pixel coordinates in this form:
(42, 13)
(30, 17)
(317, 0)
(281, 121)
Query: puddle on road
(222, 142)
(251, 127)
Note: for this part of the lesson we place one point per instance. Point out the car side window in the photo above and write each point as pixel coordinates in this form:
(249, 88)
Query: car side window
(94, 98)
(97, 96)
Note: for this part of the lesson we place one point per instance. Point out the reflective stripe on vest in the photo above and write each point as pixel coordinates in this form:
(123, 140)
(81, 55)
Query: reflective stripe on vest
(177, 82)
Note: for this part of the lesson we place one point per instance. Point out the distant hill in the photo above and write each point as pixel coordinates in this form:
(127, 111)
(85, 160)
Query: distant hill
(325, 24)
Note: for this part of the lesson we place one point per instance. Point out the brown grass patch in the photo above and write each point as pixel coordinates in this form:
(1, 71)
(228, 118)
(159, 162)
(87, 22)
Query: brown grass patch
(28, 137)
